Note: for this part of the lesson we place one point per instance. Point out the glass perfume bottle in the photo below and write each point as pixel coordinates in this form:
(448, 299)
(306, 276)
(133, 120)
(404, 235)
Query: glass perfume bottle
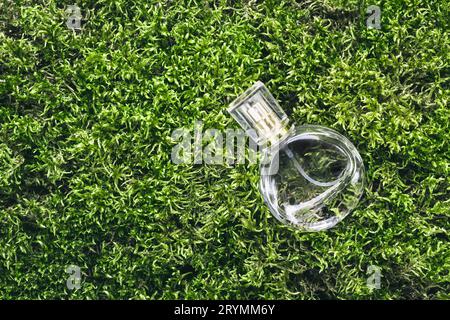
(311, 176)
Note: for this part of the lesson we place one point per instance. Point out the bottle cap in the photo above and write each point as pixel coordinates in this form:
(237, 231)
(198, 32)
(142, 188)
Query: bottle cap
(260, 115)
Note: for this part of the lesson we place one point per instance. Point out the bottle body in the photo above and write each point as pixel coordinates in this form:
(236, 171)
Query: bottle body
(313, 179)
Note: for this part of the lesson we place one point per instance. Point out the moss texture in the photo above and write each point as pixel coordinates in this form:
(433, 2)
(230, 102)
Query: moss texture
(86, 120)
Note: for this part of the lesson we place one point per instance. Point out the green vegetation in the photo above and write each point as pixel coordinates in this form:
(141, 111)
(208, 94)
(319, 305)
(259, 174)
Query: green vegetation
(86, 120)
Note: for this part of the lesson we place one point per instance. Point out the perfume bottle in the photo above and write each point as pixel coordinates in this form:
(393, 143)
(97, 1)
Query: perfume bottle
(312, 177)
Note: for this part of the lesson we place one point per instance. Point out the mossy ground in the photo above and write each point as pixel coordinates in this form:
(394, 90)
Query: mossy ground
(86, 121)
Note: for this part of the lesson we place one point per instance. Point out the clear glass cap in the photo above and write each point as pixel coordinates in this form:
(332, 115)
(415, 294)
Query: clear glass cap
(260, 115)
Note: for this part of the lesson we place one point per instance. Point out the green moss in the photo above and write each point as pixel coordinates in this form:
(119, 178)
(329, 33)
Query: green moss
(85, 125)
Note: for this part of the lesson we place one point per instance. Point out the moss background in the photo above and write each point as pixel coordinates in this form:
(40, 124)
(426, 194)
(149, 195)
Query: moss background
(85, 139)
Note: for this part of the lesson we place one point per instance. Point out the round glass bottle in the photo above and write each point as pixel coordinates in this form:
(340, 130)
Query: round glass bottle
(311, 176)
